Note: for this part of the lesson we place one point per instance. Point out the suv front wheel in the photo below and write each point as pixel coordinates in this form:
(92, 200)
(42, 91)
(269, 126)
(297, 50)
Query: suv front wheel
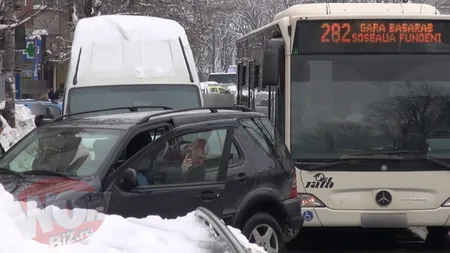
(263, 230)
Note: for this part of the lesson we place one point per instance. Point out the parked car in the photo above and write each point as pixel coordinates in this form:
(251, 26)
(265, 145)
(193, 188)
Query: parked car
(236, 166)
(54, 107)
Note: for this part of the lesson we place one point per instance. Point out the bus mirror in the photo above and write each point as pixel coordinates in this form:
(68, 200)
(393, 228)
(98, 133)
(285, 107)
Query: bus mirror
(273, 60)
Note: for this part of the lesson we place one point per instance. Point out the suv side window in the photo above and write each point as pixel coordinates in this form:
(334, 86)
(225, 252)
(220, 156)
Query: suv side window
(141, 140)
(235, 155)
(264, 132)
(276, 137)
(191, 158)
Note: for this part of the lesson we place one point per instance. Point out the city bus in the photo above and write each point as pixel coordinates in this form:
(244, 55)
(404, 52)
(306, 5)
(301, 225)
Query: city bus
(360, 92)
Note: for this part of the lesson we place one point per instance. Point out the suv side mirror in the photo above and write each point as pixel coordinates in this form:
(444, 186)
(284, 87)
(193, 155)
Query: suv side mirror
(273, 60)
(130, 178)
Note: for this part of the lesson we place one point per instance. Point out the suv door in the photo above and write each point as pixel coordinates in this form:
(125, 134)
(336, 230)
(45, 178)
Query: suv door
(164, 188)
(241, 176)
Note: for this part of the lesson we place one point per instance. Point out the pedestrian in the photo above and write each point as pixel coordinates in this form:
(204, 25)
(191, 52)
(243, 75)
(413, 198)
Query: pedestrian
(52, 95)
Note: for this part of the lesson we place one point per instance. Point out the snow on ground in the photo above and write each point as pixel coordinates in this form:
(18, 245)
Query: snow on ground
(24, 125)
(116, 234)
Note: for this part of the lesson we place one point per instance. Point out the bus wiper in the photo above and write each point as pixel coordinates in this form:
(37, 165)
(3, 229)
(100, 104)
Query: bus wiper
(417, 155)
(346, 159)
(49, 173)
(12, 172)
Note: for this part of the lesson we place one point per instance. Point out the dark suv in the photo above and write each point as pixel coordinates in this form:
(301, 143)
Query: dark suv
(167, 163)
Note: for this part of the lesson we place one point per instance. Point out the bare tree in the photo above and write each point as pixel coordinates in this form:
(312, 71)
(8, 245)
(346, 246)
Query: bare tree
(415, 111)
(11, 21)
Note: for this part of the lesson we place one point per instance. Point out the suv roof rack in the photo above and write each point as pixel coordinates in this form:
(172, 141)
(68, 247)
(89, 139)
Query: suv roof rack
(211, 109)
(131, 108)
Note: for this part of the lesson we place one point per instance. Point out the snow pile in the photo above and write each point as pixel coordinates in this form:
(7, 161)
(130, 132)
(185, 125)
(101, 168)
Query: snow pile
(244, 241)
(24, 125)
(116, 234)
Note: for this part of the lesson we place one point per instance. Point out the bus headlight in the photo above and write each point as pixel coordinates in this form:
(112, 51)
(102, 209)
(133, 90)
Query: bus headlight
(446, 203)
(309, 200)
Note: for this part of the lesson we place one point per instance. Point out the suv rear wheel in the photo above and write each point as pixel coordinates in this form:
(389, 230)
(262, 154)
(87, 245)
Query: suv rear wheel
(263, 230)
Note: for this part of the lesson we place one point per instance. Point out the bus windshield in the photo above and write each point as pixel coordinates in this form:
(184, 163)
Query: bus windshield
(357, 99)
(103, 97)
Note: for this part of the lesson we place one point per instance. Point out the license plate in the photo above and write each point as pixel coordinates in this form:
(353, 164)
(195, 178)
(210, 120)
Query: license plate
(384, 220)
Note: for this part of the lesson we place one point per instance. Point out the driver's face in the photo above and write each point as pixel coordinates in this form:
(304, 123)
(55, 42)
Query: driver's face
(198, 156)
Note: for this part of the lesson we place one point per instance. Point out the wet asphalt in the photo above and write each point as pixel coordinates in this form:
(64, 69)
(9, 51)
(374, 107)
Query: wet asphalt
(364, 240)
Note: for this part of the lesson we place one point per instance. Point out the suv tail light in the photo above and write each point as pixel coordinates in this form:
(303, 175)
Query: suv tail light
(309, 200)
(294, 193)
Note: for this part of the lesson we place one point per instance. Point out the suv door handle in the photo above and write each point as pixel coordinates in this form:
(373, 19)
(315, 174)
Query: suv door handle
(242, 177)
(208, 195)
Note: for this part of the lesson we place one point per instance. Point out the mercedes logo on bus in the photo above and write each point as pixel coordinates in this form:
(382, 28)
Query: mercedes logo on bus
(383, 198)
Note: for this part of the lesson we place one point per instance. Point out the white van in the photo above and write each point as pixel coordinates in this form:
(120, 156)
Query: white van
(124, 61)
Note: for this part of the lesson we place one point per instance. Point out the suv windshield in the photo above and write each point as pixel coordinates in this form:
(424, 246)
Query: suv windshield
(103, 97)
(74, 151)
(345, 104)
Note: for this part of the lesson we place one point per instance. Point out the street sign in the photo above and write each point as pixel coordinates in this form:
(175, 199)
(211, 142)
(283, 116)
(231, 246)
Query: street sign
(30, 50)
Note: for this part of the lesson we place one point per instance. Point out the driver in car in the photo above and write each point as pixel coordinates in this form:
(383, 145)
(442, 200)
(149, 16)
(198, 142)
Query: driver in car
(194, 161)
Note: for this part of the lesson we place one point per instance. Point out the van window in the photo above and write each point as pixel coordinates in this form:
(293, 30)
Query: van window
(102, 97)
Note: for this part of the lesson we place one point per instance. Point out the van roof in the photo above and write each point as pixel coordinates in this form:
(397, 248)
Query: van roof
(111, 27)
(123, 49)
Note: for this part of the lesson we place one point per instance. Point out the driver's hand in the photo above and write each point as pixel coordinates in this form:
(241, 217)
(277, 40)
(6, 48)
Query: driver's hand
(187, 163)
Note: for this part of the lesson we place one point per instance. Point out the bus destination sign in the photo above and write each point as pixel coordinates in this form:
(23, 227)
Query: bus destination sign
(393, 36)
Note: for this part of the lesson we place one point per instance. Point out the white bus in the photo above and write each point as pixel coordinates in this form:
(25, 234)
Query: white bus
(361, 95)
(122, 61)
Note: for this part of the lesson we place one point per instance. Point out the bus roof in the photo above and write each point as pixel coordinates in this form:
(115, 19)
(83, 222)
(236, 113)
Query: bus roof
(124, 49)
(329, 9)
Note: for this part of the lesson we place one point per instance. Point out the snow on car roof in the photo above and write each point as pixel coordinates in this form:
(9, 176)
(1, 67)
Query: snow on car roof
(129, 27)
(152, 234)
(118, 49)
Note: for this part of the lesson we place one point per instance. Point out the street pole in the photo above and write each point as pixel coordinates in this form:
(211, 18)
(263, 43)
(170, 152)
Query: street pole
(9, 58)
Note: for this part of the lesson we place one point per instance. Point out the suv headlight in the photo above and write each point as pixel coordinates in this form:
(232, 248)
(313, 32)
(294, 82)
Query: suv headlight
(309, 200)
(446, 203)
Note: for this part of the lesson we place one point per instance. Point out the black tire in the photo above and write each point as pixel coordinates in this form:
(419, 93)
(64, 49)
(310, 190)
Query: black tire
(259, 219)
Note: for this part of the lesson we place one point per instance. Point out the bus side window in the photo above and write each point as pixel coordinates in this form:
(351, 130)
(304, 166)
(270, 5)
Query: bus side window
(251, 84)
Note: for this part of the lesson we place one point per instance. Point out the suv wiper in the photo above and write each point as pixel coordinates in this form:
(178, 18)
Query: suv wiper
(417, 155)
(49, 173)
(12, 172)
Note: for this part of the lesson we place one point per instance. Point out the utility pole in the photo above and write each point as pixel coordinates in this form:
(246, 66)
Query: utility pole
(9, 59)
